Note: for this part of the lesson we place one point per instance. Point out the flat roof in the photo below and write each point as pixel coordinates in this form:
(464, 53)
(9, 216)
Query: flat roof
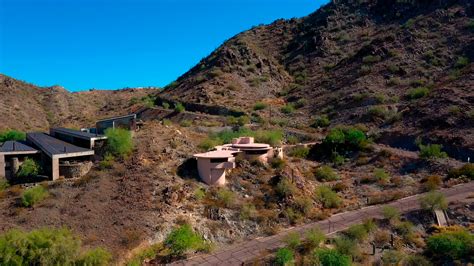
(250, 146)
(117, 117)
(16, 147)
(56, 148)
(78, 133)
(216, 154)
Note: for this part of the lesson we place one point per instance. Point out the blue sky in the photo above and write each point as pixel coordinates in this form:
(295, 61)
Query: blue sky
(112, 44)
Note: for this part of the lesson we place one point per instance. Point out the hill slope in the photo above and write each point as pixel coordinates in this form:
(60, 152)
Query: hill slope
(25, 106)
(402, 68)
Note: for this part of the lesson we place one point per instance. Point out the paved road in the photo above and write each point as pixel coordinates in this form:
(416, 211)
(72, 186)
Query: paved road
(249, 250)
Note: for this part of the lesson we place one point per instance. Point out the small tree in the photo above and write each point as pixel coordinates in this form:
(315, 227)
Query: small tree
(328, 197)
(12, 135)
(182, 239)
(453, 245)
(314, 237)
(284, 256)
(433, 200)
(432, 151)
(292, 240)
(119, 142)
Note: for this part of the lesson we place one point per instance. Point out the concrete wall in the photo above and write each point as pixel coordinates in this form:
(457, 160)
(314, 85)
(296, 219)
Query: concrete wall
(2, 166)
(214, 173)
(74, 169)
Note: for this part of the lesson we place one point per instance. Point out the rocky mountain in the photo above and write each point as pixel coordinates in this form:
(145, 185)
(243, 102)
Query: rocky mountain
(24, 106)
(403, 69)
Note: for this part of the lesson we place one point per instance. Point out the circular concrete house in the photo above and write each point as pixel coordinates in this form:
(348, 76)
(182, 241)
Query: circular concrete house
(213, 165)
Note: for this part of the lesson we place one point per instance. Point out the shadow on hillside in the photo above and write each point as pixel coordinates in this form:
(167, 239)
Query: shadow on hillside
(188, 169)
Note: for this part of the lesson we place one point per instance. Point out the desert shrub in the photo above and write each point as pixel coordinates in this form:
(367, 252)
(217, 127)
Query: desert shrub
(461, 62)
(179, 108)
(321, 121)
(199, 193)
(107, 162)
(404, 229)
(166, 122)
(357, 232)
(347, 246)
(293, 215)
(337, 159)
(466, 170)
(259, 106)
(12, 135)
(392, 257)
(119, 142)
(300, 103)
(182, 239)
(288, 108)
(314, 237)
(390, 213)
(208, 144)
(284, 256)
(432, 182)
(470, 25)
(3, 184)
(97, 256)
(299, 151)
(47, 247)
(292, 140)
(33, 195)
(326, 173)
(380, 175)
(328, 197)
(454, 245)
(417, 93)
(225, 197)
(327, 256)
(381, 238)
(345, 138)
(238, 121)
(248, 211)
(277, 163)
(29, 167)
(292, 240)
(186, 123)
(285, 188)
(431, 151)
(370, 59)
(416, 260)
(165, 105)
(433, 200)
(146, 253)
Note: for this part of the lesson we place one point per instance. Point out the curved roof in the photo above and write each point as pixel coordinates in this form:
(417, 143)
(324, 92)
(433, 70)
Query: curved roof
(215, 154)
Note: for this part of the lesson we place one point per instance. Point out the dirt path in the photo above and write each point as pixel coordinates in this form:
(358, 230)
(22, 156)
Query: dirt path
(247, 251)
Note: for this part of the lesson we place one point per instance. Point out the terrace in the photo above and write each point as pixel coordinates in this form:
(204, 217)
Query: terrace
(12, 155)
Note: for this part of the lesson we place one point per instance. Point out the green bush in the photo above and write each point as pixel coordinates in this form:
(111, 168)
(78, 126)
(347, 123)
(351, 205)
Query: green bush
(186, 123)
(165, 105)
(390, 213)
(248, 211)
(208, 144)
(326, 173)
(12, 135)
(340, 140)
(451, 244)
(347, 246)
(381, 175)
(392, 257)
(3, 184)
(293, 240)
(417, 93)
(107, 162)
(29, 167)
(299, 151)
(179, 108)
(47, 247)
(332, 257)
(183, 239)
(288, 108)
(33, 195)
(314, 237)
(259, 106)
(284, 256)
(416, 260)
(370, 59)
(285, 188)
(277, 163)
(225, 197)
(431, 151)
(238, 121)
(357, 232)
(321, 121)
(466, 170)
(461, 62)
(119, 142)
(433, 200)
(328, 197)
(200, 193)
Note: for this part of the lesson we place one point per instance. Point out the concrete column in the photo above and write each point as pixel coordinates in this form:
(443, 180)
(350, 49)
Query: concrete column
(2, 166)
(55, 168)
(15, 166)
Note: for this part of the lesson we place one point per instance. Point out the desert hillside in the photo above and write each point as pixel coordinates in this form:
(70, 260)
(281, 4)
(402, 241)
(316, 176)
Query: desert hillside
(24, 106)
(402, 68)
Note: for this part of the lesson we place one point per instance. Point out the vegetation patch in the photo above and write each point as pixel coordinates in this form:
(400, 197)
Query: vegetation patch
(183, 239)
(299, 152)
(326, 173)
(466, 170)
(28, 168)
(328, 197)
(33, 196)
(12, 135)
(321, 121)
(48, 247)
(119, 142)
(417, 93)
(431, 151)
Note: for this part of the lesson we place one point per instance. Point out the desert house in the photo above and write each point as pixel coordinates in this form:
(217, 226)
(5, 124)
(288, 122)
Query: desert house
(127, 122)
(79, 138)
(212, 165)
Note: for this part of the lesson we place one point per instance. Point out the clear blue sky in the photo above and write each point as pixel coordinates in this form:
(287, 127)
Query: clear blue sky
(111, 44)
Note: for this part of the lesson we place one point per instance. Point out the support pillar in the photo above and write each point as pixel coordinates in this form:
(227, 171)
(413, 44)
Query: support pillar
(15, 166)
(55, 168)
(2, 166)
